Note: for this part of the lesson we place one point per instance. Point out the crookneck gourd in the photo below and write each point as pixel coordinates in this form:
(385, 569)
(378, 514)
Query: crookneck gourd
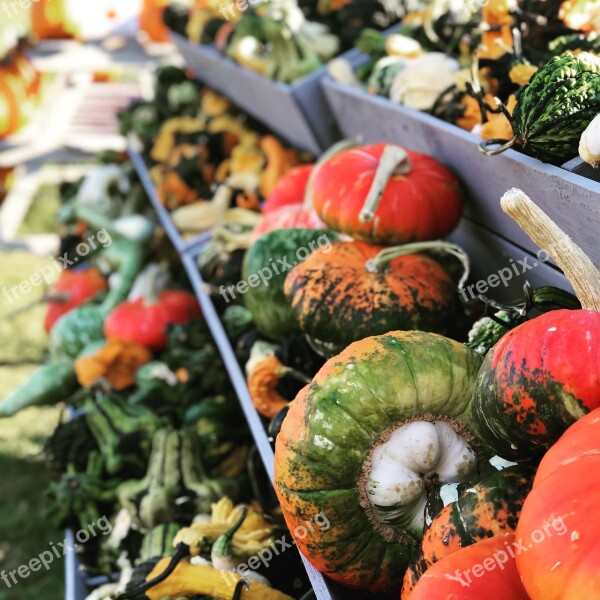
(542, 376)
(176, 486)
(380, 428)
(353, 290)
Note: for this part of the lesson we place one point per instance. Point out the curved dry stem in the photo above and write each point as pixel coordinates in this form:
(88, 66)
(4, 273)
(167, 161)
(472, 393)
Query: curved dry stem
(383, 259)
(487, 147)
(576, 265)
(394, 161)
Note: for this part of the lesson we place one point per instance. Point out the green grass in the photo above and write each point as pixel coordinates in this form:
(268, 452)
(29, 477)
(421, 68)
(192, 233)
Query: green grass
(41, 216)
(22, 336)
(24, 531)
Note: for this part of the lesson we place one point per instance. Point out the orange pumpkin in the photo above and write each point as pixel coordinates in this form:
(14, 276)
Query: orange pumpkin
(560, 519)
(484, 570)
(351, 291)
(49, 21)
(12, 96)
(387, 195)
(151, 20)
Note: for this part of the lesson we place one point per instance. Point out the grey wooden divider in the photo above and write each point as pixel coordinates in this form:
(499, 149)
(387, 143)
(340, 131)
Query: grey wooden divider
(490, 253)
(297, 112)
(75, 586)
(571, 200)
(238, 379)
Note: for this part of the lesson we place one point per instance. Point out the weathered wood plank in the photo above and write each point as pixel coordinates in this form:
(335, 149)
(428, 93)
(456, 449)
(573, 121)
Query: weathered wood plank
(571, 200)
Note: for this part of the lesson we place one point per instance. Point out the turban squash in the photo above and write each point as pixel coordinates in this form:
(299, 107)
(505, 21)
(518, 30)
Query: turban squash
(354, 290)
(380, 428)
(545, 374)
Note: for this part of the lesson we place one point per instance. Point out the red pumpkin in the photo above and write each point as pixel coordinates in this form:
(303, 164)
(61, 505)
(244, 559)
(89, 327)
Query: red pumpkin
(288, 217)
(79, 286)
(532, 386)
(146, 323)
(485, 570)
(545, 374)
(560, 519)
(371, 194)
(290, 189)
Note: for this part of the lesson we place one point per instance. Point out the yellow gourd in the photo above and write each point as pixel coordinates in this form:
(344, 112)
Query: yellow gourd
(195, 580)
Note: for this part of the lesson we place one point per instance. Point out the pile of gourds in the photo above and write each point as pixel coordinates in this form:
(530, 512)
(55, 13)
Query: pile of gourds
(519, 74)
(284, 40)
(155, 442)
(419, 451)
(417, 444)
(208, 163)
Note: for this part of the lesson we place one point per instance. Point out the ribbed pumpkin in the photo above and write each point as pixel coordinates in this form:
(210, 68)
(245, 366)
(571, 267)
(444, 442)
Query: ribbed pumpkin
(561, 518)
(544, 375)
(387, 195)
(488, 508)
(485, 570)
(380, 427)
(355, 290)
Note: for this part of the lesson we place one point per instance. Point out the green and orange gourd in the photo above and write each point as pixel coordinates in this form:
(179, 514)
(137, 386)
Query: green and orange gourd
(354, 290)
(543, 375)
(488, 508)
(381, 427)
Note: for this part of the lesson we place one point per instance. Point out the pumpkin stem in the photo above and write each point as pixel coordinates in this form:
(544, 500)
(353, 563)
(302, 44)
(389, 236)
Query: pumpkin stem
(394, 161)
(488, 148)
(337, 148)
(294, 374)
(239, 588)
(576, 265)
(386, 256)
